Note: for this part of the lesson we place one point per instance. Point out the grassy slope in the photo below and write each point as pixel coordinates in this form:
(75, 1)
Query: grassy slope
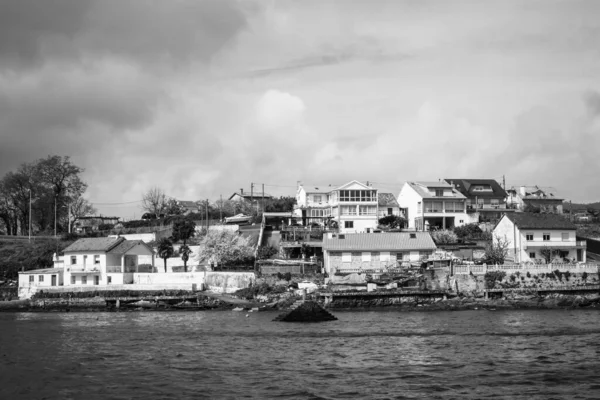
(20, 254)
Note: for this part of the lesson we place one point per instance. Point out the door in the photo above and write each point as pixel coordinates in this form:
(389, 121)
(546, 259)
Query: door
(96, 280)
(579, 256)
(53, 279)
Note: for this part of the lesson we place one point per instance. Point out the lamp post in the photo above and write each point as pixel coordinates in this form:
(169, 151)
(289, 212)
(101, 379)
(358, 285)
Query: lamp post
(29, 214)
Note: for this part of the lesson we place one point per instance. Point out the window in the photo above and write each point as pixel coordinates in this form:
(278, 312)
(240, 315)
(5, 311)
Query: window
(96, 280)
(565, 236)
(439, 192)
(317, 199)
(41, 278)
(546, 236)
(532, 254)
(482, 188)
(454, 206)
(348, 224)
(348, 210)
(462, 221)
(367, 210)
(72, 280)
(495, 203)
(109, 279)
(433, 206)
(96, 259)
(317, 213)
(357, 195)
(73, 260)
(366, 256)
(31, 278)
(390, 211)
(529, 236)
(84, 280)
(346, 257)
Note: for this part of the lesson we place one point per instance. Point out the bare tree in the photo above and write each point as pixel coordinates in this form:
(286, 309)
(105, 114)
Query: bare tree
(154, 201)
(80, 207)
(497, 251)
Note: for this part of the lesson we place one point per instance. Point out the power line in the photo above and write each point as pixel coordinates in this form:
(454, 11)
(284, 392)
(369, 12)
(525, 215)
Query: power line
(124, 202)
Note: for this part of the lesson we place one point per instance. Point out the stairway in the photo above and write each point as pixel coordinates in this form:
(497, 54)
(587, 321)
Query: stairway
(305, 311)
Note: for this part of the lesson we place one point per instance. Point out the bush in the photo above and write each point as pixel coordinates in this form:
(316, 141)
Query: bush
(444, 236)
(265, 252)
(287, 276)
(584, 276)
(492, 277)
(528, 274)
(261, 289)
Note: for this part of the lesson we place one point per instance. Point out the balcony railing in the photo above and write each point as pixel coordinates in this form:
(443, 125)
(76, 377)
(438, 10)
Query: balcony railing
(79, 268)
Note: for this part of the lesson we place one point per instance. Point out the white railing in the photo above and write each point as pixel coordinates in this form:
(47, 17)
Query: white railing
(113, 268)
(524, 268)
(83, 269)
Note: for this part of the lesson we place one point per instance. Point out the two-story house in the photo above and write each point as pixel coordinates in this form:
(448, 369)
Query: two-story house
(432, 205)
(388, 205)
(312, 205)
(251, 197)
(485, 198)
(538, 237)
(535, 198)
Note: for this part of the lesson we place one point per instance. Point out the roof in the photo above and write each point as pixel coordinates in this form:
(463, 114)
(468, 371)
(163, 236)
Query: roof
(317, 190)
(94, 244)
(247, 195)
(466, 186)
(127, 245)
(539, 193)
(421, 189)
(97, 217)
(390, 241)
(540, 221)
(187, 204)
(387, 200)
(42, 271)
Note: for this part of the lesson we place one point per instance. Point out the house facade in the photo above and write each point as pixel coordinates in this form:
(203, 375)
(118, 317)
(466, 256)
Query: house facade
(529, 198)
(433, 205)
(90, 261)
(388, 205)
(92, 223)
(485, 199)
(540, 238)
(251, 197)
(312, 205)
(367, 251)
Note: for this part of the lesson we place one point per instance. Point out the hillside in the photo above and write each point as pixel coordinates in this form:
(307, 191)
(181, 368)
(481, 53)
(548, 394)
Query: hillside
(20, 254)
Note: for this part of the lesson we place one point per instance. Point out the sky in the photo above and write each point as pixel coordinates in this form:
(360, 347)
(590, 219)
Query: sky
(202, 98)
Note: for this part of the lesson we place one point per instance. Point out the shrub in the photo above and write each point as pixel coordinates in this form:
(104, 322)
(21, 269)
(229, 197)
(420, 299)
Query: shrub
(567, 275)
(492, 277)
(584, 276)
(512, 277)
(528, 274)
(265, 252)
(444, 236)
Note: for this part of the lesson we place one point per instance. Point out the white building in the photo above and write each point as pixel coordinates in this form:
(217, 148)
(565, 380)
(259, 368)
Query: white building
(430, 205)
(529, 236)
(353, 207)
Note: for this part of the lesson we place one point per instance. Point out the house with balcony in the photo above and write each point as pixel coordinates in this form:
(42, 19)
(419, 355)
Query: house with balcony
(388, 205)
(535, 199)
(433, 205)
(375, 251)
(540, 238)
(485, 199)
(312, 205)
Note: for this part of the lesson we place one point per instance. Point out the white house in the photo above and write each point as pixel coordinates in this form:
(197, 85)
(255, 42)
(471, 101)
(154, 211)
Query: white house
(355, 251)
(431, 205)
(529, 236)
(90, 261)
(388, 205)
(312, 205)
(546, 199)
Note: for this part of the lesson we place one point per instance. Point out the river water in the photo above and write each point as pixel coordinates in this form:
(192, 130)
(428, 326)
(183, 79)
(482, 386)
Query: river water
(531, 354)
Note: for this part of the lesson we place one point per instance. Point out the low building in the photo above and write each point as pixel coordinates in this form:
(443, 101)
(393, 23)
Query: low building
(539, 238)
(366, 251)
(93, 223)
(251, 197)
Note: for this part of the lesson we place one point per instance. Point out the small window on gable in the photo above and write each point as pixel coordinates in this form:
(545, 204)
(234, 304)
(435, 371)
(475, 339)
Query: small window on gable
(565, 236)
(439, 192)
(532, 254)
(529, 236)
(96, 259)
(546, 236)
(73, 260)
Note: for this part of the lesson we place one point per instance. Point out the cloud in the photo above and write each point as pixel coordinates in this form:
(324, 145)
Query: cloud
(277, 110)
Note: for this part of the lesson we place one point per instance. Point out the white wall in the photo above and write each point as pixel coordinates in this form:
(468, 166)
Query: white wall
(408, 198)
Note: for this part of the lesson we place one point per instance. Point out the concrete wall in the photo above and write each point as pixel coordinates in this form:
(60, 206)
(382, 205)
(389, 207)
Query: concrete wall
(408, 198)
(228, 282)
(145, 237)
(334, 260)
(169, 278)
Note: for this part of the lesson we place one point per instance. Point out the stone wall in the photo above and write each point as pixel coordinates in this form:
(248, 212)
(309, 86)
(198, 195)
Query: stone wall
(228, 282)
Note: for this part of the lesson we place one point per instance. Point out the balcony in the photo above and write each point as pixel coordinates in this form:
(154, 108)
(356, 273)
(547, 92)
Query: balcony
(77, 269)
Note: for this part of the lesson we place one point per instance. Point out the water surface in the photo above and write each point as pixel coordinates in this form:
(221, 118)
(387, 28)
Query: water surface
(530, 354)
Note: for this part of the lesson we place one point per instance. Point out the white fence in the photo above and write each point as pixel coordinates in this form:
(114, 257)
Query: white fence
(523, 268)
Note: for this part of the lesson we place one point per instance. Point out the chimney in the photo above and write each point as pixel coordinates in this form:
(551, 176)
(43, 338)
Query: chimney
(242, 191)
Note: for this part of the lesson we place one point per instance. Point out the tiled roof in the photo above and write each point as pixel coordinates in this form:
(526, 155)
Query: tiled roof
(390, 241)
(540, 193)
(248, 195)
(94, 244)
(42, 271)
(387, 200)
(540, 221)
(421, 189)
(465, 186)
(127, 245)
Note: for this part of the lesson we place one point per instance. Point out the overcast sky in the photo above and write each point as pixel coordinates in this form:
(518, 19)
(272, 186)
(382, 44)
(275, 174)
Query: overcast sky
(201, 98)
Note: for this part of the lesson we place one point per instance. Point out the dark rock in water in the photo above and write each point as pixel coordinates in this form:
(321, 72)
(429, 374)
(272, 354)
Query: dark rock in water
(306, 311)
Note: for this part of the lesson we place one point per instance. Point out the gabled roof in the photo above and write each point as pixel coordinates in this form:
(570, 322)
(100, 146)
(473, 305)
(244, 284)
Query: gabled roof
(540, 221)
(247, 196)
(102, 244)
(466, 186)
(42, 271)
(355, 182)
(422, 189)
(316, 190)
(188, 204)
(390, 241)
(540, 193)
(127, 245)
(387, 200)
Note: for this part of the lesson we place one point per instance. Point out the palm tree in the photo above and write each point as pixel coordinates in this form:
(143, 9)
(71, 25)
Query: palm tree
(185, 252)
(165, 250)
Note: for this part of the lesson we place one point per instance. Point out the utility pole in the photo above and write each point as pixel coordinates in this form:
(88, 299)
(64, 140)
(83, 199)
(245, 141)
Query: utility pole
(251, 193)
(69, 218)
(263, 196)
(207, 216)
(29, 214)
(503, 183)
(221, 209)
(55, 201)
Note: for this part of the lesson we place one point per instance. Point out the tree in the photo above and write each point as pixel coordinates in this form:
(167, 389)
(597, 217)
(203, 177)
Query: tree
(173, 207)
(154, 201)
(80, 207)
(392, 221)
(497, 251)
(183, 229)
(165, 250)
(225, 248)
(444, 236)
(185, 252)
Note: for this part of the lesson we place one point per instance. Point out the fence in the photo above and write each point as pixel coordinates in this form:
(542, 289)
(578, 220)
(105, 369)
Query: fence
(523, 268)
(295, 269)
